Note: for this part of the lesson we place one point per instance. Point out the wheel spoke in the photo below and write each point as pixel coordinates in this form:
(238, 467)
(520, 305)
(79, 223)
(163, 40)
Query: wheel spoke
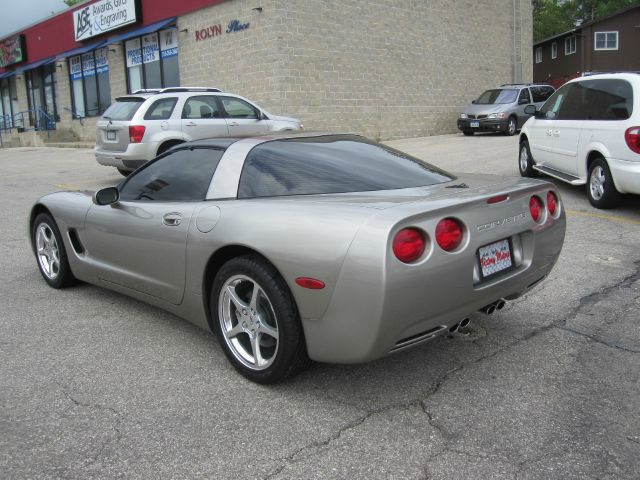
(234, 332)
(231, 291)
(254, 297)
(255, 350)
(268, 330)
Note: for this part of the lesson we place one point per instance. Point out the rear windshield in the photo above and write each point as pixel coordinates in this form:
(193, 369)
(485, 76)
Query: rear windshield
(490, 97)
(331, 164)
(123, 109)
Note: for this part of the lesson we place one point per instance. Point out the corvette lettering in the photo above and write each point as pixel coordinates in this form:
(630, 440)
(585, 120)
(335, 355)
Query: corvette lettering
(501, 222)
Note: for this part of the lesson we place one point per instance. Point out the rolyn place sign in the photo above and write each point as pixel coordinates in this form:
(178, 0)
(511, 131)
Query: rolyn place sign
(103, 16)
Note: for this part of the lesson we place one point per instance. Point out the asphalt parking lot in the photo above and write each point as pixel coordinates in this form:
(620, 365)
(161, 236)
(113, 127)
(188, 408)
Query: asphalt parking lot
(96, 385)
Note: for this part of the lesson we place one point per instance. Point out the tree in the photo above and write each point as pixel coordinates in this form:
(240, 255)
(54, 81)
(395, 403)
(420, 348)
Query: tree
(71, 3)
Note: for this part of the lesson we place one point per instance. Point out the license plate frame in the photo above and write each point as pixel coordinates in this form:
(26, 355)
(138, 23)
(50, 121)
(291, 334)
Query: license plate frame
(474, 124)
(111, 135)
(489, 252)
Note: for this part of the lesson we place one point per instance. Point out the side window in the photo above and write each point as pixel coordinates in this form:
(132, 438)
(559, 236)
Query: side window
(524, 96)
(181, 176)
(573, 106)
(201, 106)
(552, 106)
(236, 108)
(608, 99)
(161, 109)
(541, 94)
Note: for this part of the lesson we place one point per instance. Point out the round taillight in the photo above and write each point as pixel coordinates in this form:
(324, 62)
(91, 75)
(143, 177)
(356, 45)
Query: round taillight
(552, 203)
(408, 245)
(449, 234)
(536, 208)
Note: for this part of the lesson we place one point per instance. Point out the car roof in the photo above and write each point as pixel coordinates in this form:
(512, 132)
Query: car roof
(226, 142)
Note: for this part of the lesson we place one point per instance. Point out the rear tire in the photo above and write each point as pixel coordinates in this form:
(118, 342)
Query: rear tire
(124, 173)
(601, 190)
(467, 132)
(525, 161)
(256, 321)
(166, 146)
(50, 253)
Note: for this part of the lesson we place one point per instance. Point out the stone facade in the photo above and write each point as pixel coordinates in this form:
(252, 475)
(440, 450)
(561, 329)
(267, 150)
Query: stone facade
(387, 69)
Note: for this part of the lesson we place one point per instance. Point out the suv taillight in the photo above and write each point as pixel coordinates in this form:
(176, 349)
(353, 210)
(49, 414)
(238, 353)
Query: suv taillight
(632, 137)
(136, 132)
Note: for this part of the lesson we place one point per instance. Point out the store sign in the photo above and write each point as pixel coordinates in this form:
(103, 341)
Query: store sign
(12, 50)
(75, 67)
(103, 16)
(168, 43)
(215, 30)
(102, 61)
(88, 65)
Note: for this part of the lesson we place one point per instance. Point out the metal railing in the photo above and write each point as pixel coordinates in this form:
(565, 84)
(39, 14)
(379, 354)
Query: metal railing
(41, 121)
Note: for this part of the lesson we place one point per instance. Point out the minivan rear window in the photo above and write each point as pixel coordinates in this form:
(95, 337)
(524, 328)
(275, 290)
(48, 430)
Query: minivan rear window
(331, 164)
(123, 109)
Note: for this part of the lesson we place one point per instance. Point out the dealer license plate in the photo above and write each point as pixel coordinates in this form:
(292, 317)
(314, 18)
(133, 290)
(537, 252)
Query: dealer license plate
(111, 134)
(474, 124)
(495, 258)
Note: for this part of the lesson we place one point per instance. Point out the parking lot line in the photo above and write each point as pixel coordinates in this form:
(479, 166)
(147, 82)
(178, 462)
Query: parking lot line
(602, 216)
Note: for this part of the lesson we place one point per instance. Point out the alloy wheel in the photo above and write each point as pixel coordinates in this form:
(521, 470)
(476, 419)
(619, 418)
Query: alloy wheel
(47, 251)
(524, 158)
(597, 182)
(248, 322)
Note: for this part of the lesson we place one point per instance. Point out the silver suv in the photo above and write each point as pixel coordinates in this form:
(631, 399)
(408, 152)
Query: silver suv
(138, 127)
(502, 109)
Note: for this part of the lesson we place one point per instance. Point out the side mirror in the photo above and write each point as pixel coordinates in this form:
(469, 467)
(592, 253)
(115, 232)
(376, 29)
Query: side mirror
(106, 196)
(473, 101)
(530, 109)
(261, 115)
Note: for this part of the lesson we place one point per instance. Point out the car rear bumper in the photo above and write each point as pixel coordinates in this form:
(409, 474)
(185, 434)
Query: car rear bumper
(134, 156)
(484, 125)
(626, 175)
(377, 311)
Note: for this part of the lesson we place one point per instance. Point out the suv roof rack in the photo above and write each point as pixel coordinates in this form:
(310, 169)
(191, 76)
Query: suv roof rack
(519, 84)
(175, 90)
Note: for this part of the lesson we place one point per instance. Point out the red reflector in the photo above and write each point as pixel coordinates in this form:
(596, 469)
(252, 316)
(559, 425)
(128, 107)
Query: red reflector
(536, 208)
(136, 132)
(408, 245)
(449, 234)
(552, 203)
(497, 199)
(632, 137)
(311, 283)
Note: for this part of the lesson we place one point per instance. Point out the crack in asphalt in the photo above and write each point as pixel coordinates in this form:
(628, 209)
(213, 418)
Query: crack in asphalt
(585, 301)
(119, 417)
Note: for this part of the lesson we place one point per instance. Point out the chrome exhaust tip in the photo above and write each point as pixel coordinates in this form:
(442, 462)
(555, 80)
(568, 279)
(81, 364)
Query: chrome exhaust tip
(489, 309)
(500, 304)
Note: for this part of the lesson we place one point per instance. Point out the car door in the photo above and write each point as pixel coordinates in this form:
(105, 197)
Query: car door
(567, 129)
(140, 241)
(524, 99)
(541, 129)
(202, 118)
(242, 117)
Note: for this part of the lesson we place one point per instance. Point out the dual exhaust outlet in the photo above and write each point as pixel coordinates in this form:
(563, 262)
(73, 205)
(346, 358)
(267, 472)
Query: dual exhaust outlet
(487, 310)
(493, 307)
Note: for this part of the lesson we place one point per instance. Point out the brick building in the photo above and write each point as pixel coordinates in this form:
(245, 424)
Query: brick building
(603, 45)
(387, 69)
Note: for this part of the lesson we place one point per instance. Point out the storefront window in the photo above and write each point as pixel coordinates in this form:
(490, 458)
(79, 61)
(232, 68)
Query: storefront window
(152, 60)
(8, 102)
(41, 94)
(90, 90)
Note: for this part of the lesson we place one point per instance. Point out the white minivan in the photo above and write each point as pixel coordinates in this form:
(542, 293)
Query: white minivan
(588, 133)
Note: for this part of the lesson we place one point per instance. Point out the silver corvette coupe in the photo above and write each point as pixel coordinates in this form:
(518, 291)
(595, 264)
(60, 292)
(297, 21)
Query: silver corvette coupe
(304, 247)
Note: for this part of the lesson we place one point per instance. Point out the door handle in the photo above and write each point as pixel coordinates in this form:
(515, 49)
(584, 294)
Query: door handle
(234, 124)
(190, 124)
(172, 219)
(549, 132)
(556, 133)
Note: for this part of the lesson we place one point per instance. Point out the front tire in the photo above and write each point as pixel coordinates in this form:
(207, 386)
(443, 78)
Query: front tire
(601, 190)
(467, 132)
(256, 321)
(525, 161)
(512, 127)
(50, 252)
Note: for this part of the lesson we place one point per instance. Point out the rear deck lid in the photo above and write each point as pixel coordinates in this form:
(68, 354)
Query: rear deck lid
(112, 130)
